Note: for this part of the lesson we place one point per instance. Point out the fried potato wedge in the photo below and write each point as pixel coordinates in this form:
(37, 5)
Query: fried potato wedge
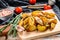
(20, 22)
(41, 28)
(38, 20)
(26, 21)
(31, 20)
(52, 26)
(31, 28)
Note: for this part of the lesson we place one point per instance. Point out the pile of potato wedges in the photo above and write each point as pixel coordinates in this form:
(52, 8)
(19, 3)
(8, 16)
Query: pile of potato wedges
(38, 21)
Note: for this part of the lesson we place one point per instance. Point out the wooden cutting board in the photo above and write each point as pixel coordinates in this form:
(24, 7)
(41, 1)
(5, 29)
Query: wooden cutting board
(32, 35)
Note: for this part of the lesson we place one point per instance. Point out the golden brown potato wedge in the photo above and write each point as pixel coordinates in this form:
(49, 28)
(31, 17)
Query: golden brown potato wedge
(50, 15)
(52, 26)
(20, 22)
(45, 20)
(38, 20)
(31, 28)
(26, 21)
(31, 20)
(45, 13)
(24, 15)
(41, 28)
(36, 13)
(25, 26)
(54, 21)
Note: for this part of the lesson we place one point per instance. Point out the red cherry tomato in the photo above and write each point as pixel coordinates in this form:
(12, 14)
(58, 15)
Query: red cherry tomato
(47, 7)
(32, 1)
(18, 10)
